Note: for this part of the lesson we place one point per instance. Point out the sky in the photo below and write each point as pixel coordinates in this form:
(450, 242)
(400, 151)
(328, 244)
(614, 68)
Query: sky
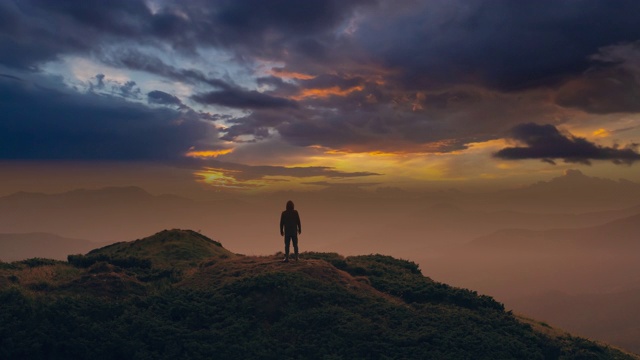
(257, 96)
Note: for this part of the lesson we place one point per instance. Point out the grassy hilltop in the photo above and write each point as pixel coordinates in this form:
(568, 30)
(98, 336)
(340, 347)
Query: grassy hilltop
(179, 295)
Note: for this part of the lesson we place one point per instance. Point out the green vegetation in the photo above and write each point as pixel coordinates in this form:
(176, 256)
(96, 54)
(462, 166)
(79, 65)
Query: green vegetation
(403, 279)
(168, 248)
(239, 307)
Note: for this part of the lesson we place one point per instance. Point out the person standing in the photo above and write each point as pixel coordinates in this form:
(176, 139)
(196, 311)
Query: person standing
(290, 228)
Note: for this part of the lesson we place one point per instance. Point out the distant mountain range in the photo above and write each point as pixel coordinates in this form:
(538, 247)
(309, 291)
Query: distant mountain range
(351, 223)
(574, 191)
(106, 215)
(43, 245)
(618, 235)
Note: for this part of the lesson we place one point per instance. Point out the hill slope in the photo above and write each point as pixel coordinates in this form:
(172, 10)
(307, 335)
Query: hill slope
(123, 302)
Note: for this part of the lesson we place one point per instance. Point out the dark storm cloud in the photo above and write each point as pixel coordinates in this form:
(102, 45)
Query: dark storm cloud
(243, 99)
(604, 92)
(503, 44)
(42, 123)
(499, 43)
(123, 17)
(99, 82)
(135, 60)
(258, 123)
(41, 31)
(36, 31)
(364, 75)
(263, 24)
(546, 143)
(128, 90)
(280, 87)
(163, 98)
(612, 85)
(394, 122)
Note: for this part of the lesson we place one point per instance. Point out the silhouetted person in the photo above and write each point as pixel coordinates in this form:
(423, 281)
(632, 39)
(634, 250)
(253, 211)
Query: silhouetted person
(290, 227)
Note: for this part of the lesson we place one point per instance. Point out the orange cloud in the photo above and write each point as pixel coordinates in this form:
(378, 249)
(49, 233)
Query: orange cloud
(601, 133)
(208, 153)
(323, 93)
(291, 74)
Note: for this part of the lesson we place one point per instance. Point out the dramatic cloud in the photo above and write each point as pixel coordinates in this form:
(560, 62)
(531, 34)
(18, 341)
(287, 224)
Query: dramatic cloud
(502, 44)
(135, 60)
(67, 125)
(40, 31)
(401, 77)
(546, 143)
(162, 98)
(611, 86)
(243, 99)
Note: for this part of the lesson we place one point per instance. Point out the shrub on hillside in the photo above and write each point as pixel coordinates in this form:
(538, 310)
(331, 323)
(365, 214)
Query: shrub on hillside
(85, 261)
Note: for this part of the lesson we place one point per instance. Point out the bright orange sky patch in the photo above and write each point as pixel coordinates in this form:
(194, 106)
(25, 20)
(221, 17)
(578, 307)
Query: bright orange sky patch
(208, 153)
(323, 93)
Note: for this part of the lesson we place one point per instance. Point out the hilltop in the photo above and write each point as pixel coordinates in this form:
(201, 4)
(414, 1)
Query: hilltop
(168, 248)
(179, 294)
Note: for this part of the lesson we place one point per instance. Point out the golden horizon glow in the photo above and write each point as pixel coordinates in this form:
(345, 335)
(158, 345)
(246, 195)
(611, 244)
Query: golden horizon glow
(410, 167)
(224, 178)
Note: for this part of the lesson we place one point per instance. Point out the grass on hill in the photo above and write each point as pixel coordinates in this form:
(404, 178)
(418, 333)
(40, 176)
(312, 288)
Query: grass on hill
(130, 303)
(166, 249)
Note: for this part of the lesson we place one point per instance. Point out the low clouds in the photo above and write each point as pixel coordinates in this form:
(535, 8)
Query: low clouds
(241, 173)
(546, 143)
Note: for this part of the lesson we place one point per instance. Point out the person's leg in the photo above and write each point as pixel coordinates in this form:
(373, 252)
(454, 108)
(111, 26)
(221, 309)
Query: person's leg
(287, 241)
(295, 246)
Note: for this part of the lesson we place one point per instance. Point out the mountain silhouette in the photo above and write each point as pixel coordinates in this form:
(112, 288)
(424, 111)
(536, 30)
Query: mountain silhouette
(617, 235)
(127, 300)
(575, 191)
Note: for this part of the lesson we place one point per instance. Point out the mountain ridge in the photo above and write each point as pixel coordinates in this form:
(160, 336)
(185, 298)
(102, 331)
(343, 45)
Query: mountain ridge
(324, 306)
(19, 246)
(620, 235)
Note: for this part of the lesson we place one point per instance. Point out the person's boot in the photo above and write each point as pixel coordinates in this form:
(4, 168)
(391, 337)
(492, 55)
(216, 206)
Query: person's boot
(286, 258)
(295, 257)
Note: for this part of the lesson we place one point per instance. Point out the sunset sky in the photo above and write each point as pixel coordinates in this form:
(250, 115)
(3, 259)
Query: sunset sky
(261, 95)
